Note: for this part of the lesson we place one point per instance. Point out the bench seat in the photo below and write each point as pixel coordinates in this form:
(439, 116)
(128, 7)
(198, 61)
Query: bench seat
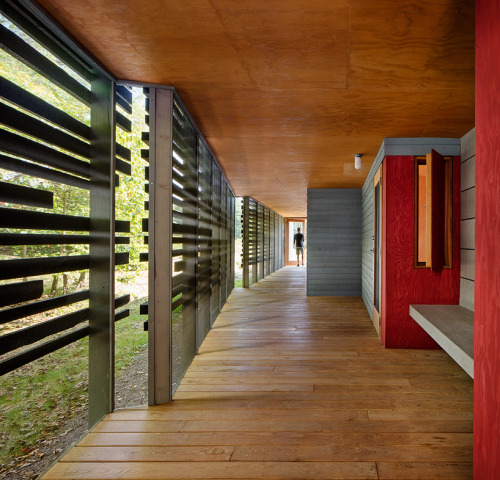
(452, 327)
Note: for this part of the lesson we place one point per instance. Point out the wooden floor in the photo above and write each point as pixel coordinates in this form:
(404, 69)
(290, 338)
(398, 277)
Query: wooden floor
(292, 387)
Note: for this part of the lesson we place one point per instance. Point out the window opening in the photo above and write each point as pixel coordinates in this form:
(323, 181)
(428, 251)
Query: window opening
(424, 212)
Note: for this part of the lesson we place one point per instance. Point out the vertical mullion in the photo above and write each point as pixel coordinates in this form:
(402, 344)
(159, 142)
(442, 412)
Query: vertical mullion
(160, 247)
(198, 334)
(196, 195)
(258, 243)
(255, 265)
(233, 240)
(273, 241)
(278, 243)
(211, 241)
(282, 237)
(263, 271)
(268, 244)
(102, 250)
(246, 242)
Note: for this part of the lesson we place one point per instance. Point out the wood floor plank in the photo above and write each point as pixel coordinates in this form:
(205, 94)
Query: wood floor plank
(289, 386)
(213, 453)
(240, 414)
(275, 438)
(226, 470)
(353, 453)
(423, 414)
(258, 387)
(410, 425)
(287, 425)
(424, 471)
(339, 379)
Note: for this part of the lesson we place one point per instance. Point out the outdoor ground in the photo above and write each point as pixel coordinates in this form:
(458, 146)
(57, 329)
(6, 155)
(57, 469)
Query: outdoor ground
(131, 389)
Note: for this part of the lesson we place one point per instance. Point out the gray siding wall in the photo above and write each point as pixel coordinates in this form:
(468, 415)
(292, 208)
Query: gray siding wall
(467, 220)
(367, 238)
(334, 242)
(391, 146)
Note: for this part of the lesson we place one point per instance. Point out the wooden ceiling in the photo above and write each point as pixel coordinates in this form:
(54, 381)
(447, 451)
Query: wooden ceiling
(286, 91)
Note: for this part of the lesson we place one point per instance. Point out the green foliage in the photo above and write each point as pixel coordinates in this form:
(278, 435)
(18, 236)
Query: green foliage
(237, 214)
(130, 196)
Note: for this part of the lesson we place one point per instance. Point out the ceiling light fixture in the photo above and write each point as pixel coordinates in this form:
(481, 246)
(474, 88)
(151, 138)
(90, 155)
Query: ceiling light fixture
(357, 160)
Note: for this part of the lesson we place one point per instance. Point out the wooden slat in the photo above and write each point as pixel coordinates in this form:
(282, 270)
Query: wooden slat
(24, 147)
(26, 100)
(18, 14)
(123, 122)
(38, 62)
(13, 218)
(18, 120)
(49, 239)
(14, 313)
(289, 386)
(125, 93)
(38, 351)
(29, 335)
(16, 165)
(22, 195)
(12, 293)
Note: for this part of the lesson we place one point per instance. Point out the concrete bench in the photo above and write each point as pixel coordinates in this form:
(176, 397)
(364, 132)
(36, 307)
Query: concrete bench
(452, 327)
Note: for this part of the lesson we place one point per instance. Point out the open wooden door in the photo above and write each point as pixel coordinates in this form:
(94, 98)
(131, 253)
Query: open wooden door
(377, 250)
(435, 211)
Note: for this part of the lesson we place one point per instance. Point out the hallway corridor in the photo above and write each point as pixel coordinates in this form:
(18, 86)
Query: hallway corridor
(292, 387)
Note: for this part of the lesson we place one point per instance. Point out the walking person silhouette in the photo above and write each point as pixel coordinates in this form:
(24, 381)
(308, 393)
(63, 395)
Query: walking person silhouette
(298, 243)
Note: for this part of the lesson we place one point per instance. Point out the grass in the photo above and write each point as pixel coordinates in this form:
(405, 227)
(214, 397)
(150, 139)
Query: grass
(130, 336)
(37, 399)
(238, 282)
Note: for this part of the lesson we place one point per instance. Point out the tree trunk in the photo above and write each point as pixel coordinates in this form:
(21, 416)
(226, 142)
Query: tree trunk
(55, 281)
(80, 281)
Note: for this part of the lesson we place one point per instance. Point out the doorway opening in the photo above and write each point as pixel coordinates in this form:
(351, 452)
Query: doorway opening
(291, 226)
(377, 251)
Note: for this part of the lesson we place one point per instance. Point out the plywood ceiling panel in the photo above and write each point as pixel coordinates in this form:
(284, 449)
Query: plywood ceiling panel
(287, 91)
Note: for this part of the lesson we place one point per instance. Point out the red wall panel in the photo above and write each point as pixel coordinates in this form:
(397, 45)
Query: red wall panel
(403, 283)
(487, 276)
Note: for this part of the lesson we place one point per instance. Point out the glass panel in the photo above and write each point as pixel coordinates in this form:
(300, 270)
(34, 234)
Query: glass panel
(184, 256)
(448, 212)
(421, 213)
(204, 242)
(215, 303)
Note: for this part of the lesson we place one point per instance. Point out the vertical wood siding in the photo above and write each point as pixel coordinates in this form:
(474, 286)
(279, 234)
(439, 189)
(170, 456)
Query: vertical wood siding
(487, 262)
(367, 237)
